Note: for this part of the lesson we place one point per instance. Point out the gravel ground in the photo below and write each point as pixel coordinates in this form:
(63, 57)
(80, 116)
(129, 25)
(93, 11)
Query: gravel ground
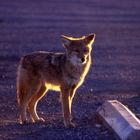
(27, 26)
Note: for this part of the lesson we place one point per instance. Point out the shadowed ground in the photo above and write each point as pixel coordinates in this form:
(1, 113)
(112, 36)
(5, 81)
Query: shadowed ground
(27, 26)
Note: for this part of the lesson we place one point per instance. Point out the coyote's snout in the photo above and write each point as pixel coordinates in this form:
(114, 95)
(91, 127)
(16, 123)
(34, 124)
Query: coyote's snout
(39, 72)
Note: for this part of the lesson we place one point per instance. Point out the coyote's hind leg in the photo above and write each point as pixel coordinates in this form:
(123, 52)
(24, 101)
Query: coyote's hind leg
(23, 107)
(33, 103)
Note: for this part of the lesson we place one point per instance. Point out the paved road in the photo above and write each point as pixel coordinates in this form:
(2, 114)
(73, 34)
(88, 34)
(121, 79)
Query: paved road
(31, 25)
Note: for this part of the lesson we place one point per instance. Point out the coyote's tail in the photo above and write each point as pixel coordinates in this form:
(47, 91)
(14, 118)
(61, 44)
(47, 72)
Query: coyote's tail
(20, 85)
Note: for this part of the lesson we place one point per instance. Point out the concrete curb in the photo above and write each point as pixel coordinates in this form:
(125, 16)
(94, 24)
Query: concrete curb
(120, 119)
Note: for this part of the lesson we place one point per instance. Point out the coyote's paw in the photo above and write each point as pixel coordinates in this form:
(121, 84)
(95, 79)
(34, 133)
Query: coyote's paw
(25, 122)
(70, 125)
(40, 120)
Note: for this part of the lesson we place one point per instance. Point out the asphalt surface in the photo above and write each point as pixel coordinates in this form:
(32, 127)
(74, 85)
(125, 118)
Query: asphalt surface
(27, 26)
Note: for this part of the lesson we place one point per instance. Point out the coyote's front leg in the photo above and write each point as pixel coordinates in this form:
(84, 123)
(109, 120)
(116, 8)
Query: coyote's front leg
(66, 106)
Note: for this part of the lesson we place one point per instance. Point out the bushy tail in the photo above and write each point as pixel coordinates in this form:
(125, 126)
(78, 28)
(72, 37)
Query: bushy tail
(20, 94)
(20, 85)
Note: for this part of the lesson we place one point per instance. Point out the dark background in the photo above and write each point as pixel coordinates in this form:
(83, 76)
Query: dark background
(31, 25)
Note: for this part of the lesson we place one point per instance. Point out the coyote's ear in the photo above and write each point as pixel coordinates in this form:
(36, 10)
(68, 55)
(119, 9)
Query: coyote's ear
(65, 41)
(90, 39)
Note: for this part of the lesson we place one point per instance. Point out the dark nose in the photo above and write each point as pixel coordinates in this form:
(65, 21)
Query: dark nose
(82, 59)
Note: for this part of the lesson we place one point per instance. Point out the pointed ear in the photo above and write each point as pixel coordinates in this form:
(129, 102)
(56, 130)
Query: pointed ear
(65, 41)
(90, 38)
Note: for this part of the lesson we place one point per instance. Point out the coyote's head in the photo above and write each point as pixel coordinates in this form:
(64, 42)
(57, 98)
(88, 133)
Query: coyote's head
(78, 49)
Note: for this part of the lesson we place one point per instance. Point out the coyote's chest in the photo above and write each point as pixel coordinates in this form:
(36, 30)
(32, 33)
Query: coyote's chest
(76, 74)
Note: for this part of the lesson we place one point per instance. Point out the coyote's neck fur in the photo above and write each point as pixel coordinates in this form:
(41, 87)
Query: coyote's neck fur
(77, 72)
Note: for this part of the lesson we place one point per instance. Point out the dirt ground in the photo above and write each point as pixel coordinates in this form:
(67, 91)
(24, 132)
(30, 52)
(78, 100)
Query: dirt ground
(31, 25)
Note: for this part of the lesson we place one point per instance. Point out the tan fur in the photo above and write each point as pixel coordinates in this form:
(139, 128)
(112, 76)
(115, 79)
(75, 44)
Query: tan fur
(39, 72)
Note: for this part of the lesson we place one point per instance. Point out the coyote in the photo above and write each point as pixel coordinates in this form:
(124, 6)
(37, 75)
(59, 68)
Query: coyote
(41, 71)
